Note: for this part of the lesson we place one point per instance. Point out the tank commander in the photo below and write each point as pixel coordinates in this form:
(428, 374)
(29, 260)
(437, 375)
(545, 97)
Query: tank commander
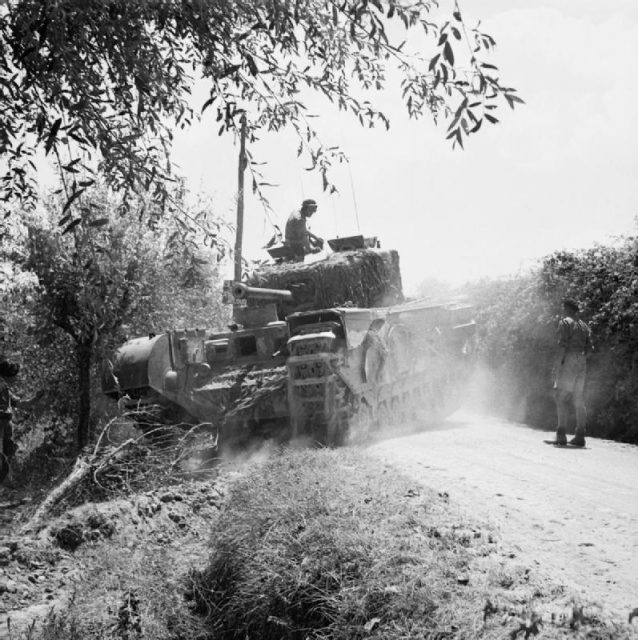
(298, 237)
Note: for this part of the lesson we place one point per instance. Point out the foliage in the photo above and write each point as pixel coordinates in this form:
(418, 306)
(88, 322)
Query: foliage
(432, 287)
(102, 85)
(519, 318)
(93, 286)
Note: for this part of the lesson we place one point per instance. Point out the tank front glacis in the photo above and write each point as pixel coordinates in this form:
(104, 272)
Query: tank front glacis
(208, 376)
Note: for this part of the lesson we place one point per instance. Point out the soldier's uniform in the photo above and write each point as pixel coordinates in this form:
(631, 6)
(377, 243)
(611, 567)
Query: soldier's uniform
(575, 343)
(8, 371)
(297, 237)
(575, 337)
(5, 407)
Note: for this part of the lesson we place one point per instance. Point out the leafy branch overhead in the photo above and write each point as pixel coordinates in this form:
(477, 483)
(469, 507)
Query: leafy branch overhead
(101, 85)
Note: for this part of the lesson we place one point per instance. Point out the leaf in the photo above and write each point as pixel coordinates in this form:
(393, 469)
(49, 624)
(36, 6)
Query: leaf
(40, 121)
(100, 222)
(74, 196)
(511, 99)
(252, 66)
(72, 225)
(52, 135)
(491, 118)
(448, 54)
(231, 68)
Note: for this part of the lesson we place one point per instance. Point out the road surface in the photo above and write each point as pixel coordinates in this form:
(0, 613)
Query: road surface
(574, 512)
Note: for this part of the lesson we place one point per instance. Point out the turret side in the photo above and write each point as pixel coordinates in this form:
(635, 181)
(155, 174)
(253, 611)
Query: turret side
(363, 278)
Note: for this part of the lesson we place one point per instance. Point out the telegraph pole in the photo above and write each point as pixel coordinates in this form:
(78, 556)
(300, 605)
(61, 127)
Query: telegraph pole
(240, 199)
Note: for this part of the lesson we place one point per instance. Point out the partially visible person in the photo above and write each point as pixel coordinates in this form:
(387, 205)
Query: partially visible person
(298, 236)
(574, 345)
(8, 372)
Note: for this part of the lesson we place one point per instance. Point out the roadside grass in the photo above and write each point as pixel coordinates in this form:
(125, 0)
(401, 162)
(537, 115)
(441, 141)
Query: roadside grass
(318, 545)
(329, 545)
(123, 574)
(132, 594)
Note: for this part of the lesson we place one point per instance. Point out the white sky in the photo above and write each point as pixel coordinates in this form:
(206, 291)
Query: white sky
(559, 172)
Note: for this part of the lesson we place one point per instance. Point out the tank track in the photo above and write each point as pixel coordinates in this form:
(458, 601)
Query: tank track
(326, 409)
(320, 407)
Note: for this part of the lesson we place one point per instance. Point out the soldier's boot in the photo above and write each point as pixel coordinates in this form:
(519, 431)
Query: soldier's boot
(579, 438)
(561, 436)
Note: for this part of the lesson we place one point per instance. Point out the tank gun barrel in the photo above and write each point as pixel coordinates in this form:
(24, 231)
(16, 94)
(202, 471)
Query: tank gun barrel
(244, 292)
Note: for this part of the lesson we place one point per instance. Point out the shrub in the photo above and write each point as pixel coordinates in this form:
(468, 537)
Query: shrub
(518, 318)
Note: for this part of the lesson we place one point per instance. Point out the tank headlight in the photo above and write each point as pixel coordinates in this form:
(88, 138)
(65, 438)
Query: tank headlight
(170, 382)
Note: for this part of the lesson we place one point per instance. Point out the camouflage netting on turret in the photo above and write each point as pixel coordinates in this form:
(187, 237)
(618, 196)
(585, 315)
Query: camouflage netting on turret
(364, 278)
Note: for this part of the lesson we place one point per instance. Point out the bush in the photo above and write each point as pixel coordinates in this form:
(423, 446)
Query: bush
(518, 319)
(69, 299)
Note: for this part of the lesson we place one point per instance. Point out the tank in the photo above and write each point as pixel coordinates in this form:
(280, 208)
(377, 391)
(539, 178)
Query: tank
(329, 351)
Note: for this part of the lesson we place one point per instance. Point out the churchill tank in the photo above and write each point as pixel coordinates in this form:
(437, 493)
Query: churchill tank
(329, 351)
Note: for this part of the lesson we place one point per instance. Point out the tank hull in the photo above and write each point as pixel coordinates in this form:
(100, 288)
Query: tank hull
(329, 374)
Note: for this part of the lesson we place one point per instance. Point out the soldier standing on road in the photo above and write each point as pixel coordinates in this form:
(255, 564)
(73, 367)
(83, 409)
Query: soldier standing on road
(575, 344)
(298, 237)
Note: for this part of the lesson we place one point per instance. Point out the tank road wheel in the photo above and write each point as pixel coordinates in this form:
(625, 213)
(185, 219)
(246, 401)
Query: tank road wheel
(396, 410)
(426, 408)
(417, 400)
(341, 435)
(361, 422)
(384, 417)
(408, 402)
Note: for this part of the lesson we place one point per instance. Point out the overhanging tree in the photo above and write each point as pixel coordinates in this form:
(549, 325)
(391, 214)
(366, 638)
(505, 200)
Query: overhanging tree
(102, 84)
(87, 289)
(110, 271)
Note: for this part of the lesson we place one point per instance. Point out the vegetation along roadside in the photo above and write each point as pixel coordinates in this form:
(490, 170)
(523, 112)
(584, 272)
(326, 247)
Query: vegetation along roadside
(318, 544)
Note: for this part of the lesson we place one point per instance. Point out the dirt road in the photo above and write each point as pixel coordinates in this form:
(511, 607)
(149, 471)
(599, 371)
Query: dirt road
(572, 512)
